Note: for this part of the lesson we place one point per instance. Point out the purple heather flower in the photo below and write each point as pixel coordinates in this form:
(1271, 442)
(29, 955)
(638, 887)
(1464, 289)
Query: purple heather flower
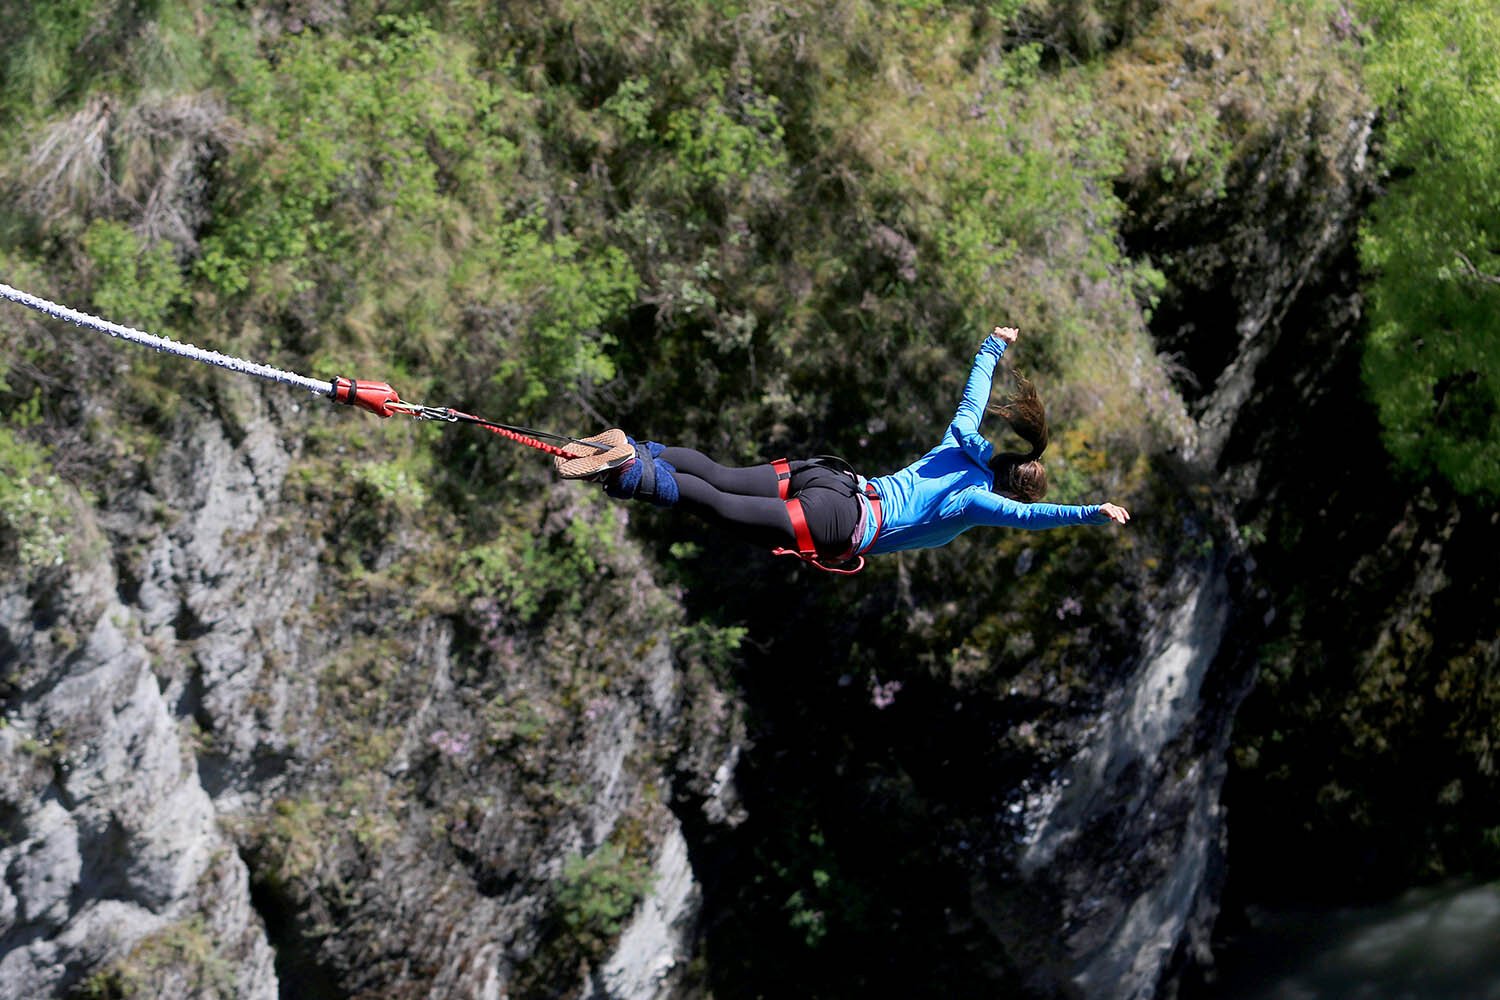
(449, 744)
(884, 695)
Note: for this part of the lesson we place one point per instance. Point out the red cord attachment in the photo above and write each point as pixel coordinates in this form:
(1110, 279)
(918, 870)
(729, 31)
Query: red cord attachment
(376, 397)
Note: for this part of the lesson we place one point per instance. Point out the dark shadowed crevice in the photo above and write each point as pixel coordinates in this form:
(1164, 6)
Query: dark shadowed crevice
(854, 864)
(298, 972)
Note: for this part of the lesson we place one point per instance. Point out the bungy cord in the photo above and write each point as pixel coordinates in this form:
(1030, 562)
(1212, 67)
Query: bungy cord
(376, 397)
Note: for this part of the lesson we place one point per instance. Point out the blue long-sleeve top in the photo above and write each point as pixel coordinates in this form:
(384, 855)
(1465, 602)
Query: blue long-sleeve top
(950, 489)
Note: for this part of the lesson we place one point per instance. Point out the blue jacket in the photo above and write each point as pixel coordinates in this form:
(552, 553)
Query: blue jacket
(949, 490)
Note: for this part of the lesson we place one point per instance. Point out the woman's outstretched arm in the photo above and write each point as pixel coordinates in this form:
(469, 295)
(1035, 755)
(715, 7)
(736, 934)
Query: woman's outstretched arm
(965, 424)
(985, 507)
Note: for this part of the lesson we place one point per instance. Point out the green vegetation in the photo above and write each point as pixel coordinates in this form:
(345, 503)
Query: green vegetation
(1432, 241)
(530, 574)
(184, 954)
(598, 893)
(138, 284)
(59, 54)
(33, 512)
(592, 901)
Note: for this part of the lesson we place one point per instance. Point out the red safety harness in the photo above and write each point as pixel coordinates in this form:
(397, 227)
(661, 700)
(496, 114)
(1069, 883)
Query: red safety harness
(806, 550)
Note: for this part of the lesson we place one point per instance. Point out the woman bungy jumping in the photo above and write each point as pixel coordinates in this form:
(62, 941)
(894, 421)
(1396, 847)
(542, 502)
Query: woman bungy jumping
(821, 510)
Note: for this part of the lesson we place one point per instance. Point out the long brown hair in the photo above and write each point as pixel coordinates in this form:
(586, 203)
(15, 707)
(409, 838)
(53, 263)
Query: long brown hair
(1022, 475)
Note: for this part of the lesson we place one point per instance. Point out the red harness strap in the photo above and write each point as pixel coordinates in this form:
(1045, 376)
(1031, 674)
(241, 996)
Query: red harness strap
(806, 550)
(874, 496)
(783, 476)
(805, 547)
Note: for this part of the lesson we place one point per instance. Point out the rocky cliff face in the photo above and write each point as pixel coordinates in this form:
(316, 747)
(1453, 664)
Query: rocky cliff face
(173, 814)
(117, 855)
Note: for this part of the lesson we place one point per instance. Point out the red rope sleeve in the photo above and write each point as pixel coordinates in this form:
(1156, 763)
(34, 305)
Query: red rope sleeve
(530, 442)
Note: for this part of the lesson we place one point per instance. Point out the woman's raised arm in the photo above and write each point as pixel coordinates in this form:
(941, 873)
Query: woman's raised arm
(977, 390)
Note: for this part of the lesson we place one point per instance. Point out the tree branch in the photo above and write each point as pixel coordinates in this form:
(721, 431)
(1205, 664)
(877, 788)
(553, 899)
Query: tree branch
(1476, 273)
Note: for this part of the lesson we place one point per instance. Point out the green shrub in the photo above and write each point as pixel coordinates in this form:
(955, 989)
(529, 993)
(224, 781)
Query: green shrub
(186, 954)
(35, 520)
(598, 893)
(56, 52)
(531, 574)
(134, 285)
(1432, 241)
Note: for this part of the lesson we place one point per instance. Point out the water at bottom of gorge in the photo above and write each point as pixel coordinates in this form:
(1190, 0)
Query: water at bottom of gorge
(1430, 944)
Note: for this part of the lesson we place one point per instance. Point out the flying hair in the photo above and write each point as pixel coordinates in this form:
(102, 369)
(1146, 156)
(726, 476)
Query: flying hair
(1016, 473)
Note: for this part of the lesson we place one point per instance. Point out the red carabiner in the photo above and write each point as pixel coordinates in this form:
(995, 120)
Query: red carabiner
(376, 397)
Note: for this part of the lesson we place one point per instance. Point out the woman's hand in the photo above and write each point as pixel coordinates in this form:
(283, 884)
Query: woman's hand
(1117, 514)
(1006, 334)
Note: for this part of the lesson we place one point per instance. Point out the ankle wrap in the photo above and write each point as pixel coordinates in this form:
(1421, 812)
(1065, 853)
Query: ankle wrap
(647, 478)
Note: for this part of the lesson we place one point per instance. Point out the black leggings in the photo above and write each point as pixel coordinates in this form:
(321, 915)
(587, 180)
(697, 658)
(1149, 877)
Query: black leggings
(746, 501)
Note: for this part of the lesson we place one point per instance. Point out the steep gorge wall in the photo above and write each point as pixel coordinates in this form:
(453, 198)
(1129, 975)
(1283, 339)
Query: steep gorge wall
(1263, 273)
(123, 665)
(171, 807)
